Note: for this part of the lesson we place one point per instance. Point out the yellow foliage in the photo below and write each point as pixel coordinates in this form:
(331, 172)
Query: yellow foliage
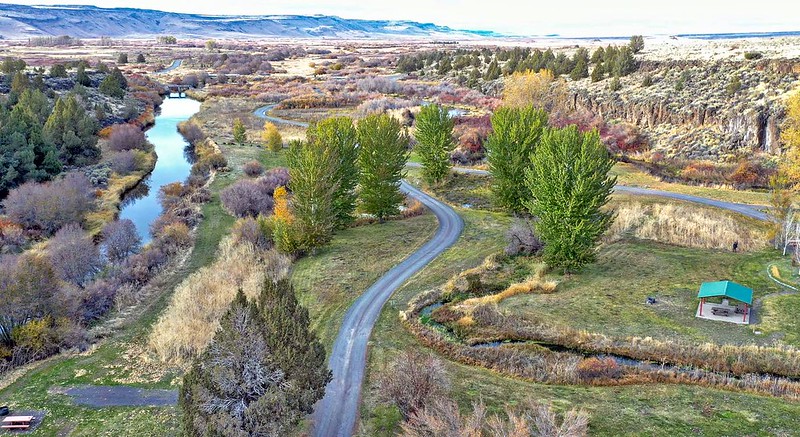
(790, 136)
(532, 285)
(281, 209)
(541, 90)
(272, 138)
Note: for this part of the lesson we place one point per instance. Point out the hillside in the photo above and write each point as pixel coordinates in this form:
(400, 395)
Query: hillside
(20, 22)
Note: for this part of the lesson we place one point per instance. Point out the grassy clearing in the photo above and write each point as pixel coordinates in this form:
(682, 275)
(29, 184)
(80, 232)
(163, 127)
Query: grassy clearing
(609, 296)
(329, 281)
(653, 410)
(628, 174)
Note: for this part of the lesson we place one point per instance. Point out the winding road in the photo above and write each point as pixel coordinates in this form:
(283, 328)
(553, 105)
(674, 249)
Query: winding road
(337, 412)
(752, 211)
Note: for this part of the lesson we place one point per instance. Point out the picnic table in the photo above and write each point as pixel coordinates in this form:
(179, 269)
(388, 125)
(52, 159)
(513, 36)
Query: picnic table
(17, 422)
(717, 311)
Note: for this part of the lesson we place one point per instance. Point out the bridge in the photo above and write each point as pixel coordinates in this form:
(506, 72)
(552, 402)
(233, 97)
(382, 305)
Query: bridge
(176, 91)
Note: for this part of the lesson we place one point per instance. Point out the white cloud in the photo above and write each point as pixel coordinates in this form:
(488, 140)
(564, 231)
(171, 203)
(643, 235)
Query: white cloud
(572, 18)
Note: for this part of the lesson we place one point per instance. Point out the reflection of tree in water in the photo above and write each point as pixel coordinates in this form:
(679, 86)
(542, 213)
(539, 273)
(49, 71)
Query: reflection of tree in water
(189, 154)
(142, 189)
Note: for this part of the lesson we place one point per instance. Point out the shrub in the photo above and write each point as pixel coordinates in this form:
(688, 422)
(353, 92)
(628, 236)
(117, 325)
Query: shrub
(191, 132)
(253, 169)
(49, 206)
(747, 174)
(274, 178)
(124, 162)
(174, 237)
(215, 161)
(120, 240)
(246, 198)
(74, 256)
(647, 81)
(126, 137)
(248, 230)
(412, 381)
(598, 368)
(753, 55)
(522, 239)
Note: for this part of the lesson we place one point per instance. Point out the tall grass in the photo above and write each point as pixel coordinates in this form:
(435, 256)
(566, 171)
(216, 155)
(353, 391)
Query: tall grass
(189, 323)
(685, 225)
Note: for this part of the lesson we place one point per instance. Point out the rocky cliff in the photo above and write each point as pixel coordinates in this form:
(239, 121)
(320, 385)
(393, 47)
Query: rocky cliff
(694, 109)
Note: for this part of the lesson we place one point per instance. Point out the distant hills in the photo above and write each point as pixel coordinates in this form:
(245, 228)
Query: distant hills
(20, 22)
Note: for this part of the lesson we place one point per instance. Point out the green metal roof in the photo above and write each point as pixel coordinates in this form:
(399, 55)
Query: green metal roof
(727, 289)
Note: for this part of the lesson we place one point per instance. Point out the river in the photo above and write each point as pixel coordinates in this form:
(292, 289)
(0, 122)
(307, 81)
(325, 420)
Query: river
(141, 205)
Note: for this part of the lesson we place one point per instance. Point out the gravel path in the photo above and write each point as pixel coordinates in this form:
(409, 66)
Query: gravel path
(752, 211)
(121, 396)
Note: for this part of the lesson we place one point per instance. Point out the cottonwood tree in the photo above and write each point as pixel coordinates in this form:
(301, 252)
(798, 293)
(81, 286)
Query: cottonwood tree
(271, 137)
(296, 349)
(239, 131)
(339, 137)
(313, 182)
(237, 387)
(516, 132)
(569, 183)
(541, 90)
(434, 135)
(790, 136)
(383, 156)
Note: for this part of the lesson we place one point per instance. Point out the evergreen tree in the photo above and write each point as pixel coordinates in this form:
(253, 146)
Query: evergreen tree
(516, 133)
(312, 180)
(72, 131)
(111, 86)
(81, 78)
(581, 65)
(237, 386)
(383, 155)
(434, 135)
(598, 72)
(239, 131)
(339, 135)
(624, 63)
(122, 58)
(636, 44)
(598, 55)
(569, 184)
(58, 70)
(493, 71)
(295, 347)
(140, 59)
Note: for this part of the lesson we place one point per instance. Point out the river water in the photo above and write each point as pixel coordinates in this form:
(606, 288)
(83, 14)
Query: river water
(173, 165)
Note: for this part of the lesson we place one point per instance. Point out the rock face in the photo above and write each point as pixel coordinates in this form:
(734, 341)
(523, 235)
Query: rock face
(703, 118)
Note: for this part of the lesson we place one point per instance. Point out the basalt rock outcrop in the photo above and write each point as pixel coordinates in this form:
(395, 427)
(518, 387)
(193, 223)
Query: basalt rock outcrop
(693, 111)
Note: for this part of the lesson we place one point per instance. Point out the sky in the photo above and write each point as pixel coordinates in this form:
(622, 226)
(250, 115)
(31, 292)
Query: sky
(533, 17)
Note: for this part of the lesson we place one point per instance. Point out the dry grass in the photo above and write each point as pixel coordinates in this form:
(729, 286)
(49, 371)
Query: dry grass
(532, 285)
(191, 320)
(684, 225)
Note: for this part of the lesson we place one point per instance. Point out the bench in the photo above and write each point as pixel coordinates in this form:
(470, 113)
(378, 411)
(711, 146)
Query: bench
(17, 422)
(721, 311)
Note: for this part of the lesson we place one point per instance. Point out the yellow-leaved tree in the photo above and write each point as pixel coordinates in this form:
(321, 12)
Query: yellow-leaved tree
(272, 138)
(790, 136)
(541, 90)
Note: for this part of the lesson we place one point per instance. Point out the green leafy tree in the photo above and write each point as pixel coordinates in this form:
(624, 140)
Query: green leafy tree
(434, 135)
(636, 44)
(570, 184)
(294, 345)
(239, 131)
(312, 180)
(339, 135)
(383, 155)
(237, 386)
(516, 133)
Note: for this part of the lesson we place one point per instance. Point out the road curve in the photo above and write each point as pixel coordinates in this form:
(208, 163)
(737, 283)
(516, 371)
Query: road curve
(752, 211)
(336, 413)
(175, 64)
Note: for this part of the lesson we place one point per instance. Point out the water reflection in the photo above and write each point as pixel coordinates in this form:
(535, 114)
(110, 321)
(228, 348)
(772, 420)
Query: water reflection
(173, 165)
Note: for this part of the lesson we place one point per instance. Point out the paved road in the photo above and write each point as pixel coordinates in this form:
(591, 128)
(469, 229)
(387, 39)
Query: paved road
(121, 396)
(336, 414)
(175, 64)
(753, 211)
